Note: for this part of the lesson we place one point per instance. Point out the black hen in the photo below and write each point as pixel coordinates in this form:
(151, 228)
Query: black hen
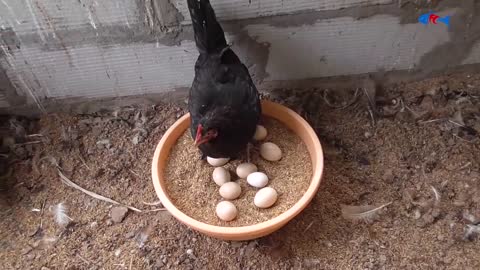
(224, 103)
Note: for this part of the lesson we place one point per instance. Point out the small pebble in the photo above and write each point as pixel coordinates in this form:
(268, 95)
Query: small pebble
(118, 252)
(118, 213)
(31, 256)
(417, 214)
(230, 190)
(244, 169)
(260, 133)
(270, 151)
(257, 179)
(104, 143)
(26, 250)
(138, 138)
(217, 162)
(265, 197)
(383, 259)
(226, 211)
(220, 176)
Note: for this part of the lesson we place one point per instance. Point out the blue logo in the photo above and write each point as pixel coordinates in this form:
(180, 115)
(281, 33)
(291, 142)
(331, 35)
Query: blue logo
(434, 19)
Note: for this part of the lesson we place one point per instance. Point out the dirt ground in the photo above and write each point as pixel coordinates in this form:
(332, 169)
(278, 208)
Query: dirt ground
(415, 145)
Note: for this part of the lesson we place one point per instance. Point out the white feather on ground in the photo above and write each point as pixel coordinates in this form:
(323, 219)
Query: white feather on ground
(59, 212)
(471, 230)
(143, 235)
(437, 195)
(362, 212)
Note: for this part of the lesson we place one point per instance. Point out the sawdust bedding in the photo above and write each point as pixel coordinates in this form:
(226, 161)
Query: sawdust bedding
(190, 184)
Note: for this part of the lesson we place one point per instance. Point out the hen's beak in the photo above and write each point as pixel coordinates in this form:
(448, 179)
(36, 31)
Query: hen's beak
(198, 138)
(200, 141)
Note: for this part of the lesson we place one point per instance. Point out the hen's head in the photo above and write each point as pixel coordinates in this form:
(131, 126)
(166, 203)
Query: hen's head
(205, 134)
(215, 123)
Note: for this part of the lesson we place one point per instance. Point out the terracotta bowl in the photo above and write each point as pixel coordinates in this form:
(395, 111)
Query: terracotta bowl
(288, 117)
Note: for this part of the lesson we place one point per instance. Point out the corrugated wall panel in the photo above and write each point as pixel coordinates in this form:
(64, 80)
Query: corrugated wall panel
(97, 72)
(44, 17)
(117, 60)
(244, 9)
(340, 46)
(345, 46)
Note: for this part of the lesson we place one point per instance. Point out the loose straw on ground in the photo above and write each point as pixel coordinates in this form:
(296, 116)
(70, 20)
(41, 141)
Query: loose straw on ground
(68, 182)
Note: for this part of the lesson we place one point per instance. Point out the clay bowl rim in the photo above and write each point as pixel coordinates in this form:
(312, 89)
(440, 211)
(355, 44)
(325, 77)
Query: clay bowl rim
(282, 219)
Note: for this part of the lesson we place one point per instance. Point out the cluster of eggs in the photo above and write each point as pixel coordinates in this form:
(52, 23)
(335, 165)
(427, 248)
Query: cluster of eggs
(265, 196)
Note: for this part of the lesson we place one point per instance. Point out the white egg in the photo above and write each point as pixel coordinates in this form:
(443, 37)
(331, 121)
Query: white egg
(265, 197)
(226, 211)
(220, 176)
(257, 179)
(270, 151)
(260, 133)
(217, 162)
(230, 190)
(244, 169)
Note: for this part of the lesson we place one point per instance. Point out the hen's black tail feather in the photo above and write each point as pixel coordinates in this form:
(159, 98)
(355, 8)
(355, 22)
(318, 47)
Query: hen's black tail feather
(209, 35)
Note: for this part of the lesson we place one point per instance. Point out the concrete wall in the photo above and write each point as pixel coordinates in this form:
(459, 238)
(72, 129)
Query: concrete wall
(63, 49)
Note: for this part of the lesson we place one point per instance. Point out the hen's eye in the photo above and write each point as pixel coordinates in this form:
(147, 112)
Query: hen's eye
(203, 108)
